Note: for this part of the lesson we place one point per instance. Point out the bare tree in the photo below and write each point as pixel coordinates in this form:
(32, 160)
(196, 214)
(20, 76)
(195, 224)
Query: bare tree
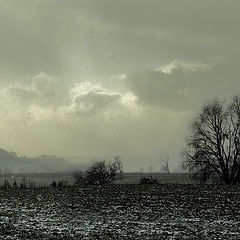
(119, 164)
(213, 148)
(165, 164)
(100, 173)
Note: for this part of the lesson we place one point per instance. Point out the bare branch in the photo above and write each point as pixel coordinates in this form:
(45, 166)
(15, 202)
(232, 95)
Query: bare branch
(213, 147)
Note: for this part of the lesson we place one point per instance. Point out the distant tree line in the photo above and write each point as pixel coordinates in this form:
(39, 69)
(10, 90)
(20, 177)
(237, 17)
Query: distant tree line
(24, 184)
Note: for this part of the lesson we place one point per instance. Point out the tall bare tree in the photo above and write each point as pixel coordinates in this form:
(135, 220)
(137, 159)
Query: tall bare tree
(119, 165)
(213, 148)
(165, 164)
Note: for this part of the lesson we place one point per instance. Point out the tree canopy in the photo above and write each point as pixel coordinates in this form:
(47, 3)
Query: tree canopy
(213, 147)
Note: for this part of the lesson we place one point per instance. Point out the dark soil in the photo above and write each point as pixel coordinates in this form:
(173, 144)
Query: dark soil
(121, 212)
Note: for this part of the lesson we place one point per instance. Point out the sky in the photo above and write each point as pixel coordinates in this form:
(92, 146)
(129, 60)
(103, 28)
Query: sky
(87, 80)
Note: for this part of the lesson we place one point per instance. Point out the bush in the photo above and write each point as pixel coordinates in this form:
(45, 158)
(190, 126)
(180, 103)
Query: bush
(148, 180)
(6, 184)
(54, 184)
(100, 173)
(62, 183)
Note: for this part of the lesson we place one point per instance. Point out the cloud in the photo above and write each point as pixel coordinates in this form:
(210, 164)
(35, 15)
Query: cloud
(104, 38)
(41, 89)
(185, 86)
(89, 97)
(170, 20)
(184, 66)
(92, 78)
(44, 97)
(89, 117)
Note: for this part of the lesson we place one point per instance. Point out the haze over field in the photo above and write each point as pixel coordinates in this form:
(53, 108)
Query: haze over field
(90, 79)
(10, 162)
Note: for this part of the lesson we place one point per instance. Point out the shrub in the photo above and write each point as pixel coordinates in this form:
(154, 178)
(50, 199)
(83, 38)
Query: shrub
(62, 183)
(54, 184)
(100, 173)
(148, 180)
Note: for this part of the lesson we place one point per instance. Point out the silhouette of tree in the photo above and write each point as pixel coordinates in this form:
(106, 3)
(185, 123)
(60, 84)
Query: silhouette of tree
(119, 164)
(100, 173)
(165, 165)
(213, 148)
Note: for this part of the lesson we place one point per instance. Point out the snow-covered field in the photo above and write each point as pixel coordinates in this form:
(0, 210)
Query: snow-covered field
(121, 212)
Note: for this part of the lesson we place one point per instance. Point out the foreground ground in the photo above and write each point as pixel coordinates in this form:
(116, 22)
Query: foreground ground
(121, 212)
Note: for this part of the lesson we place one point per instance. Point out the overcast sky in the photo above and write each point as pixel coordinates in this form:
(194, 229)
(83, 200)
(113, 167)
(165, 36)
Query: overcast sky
(91, 79)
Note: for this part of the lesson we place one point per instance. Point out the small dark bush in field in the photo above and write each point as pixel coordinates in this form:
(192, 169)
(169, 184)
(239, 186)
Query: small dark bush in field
(100, 173)
(15, 185)
(23, 183)
(62, 183)
(54, 184)
(6, 184)
(31, 184)
(148, 180)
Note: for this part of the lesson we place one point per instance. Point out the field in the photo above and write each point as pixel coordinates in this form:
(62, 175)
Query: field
(164, 211)
(128, 178)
